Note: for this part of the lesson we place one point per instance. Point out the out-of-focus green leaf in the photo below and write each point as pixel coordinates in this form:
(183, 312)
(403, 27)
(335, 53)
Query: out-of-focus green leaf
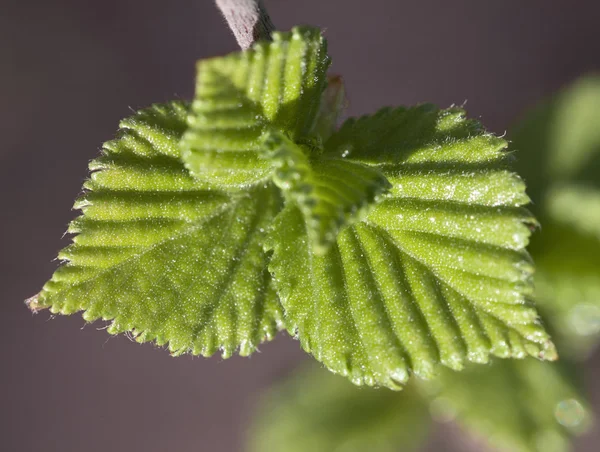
(558, 142)
(320, 412)
(568, 286)
(577, 206)
(517, 406)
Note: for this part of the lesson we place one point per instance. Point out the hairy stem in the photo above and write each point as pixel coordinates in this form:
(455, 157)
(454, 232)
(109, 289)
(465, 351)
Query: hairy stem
(248, 19)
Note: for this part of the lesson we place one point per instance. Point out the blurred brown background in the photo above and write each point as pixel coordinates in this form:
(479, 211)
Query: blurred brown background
(71, 69)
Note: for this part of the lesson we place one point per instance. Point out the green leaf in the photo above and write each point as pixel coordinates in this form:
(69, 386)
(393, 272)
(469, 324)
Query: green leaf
(160, 254)
(574, 134)
(577, 206)
(529, 406)
(239, 97)
(377, 285)
(559, 141)
(319, 412)
(330, 193)
(567, 255)
(567, 282)
(435, 273)
(520, 406)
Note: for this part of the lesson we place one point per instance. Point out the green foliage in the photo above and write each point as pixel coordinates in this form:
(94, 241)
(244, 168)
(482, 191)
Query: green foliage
(562, 137)
(514, 405)
(319, 412)
(162, 256)
(520, 406)
(393, 244)
(525, 405)
(435, 272)
(331, 193)
(568, 286)
(562, 161)
(243, 96)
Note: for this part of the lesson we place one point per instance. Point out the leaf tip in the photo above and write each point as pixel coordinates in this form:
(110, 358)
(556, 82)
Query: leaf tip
(548, 351)
(34, 305)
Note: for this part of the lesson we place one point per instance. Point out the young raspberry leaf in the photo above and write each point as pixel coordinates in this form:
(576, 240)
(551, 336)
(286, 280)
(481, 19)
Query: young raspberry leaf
(160, 254)
(275, 85)
(330, 193)
(320, 412)
(520, 406)
(436, 272)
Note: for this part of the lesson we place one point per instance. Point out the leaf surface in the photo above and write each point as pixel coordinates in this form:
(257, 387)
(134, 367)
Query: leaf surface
(320, 412)
(160, 255)
(275, 85)
(436, 272)
(330, 193)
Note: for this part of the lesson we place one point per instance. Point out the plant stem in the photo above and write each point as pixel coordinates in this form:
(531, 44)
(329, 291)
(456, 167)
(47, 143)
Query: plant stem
(248, 19)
